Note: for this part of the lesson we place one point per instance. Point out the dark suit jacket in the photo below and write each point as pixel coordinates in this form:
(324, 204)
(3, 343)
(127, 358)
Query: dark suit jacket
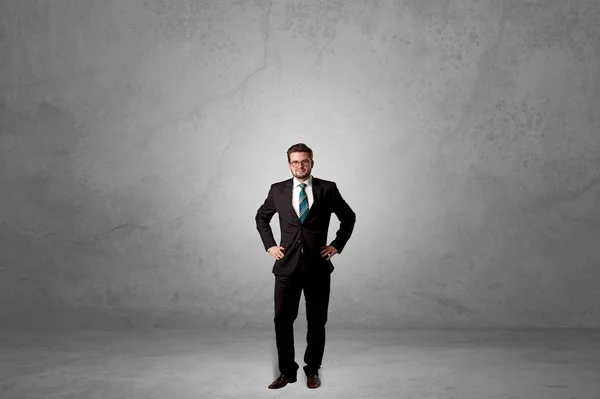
(312, 234)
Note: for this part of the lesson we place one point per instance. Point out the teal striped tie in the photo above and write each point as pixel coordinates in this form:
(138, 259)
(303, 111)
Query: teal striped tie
(303, 203)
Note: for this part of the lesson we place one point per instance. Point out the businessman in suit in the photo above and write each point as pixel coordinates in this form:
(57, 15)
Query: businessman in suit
(302, 258)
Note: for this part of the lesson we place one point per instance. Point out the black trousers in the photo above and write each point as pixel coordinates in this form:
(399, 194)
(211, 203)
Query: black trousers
(316, 286)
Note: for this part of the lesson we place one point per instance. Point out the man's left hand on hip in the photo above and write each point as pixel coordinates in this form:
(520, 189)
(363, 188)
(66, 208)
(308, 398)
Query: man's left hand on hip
(328, 251)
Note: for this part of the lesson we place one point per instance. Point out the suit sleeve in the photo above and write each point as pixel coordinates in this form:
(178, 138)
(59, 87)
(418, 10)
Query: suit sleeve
(347, 219)
(263, 218)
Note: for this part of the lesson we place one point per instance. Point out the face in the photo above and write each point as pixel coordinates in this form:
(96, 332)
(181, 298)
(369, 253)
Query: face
(301, 165)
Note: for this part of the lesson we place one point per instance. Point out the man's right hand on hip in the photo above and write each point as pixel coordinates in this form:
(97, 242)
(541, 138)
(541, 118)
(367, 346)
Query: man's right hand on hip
(276, 252)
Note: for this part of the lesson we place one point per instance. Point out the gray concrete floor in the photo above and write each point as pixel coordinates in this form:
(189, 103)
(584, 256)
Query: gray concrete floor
(416, 364)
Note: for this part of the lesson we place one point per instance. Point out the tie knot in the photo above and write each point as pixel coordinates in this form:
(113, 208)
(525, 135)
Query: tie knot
(302, 185)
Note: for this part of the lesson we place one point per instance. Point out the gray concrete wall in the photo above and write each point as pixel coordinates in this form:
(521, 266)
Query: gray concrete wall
(138, 138)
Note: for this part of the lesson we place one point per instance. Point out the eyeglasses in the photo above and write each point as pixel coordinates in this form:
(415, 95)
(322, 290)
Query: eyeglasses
(305, 162)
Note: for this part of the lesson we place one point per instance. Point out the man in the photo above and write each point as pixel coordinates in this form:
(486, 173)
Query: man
(303, 261)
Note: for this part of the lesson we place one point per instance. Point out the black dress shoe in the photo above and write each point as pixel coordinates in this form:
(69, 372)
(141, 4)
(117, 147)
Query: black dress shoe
(282, 381)
(313, 381)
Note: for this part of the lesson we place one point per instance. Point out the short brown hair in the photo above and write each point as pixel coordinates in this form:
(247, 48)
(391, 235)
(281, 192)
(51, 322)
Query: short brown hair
(300, 147)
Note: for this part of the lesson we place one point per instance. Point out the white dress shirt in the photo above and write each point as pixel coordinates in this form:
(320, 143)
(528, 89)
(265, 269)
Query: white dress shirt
(296, 194)
(296, 197)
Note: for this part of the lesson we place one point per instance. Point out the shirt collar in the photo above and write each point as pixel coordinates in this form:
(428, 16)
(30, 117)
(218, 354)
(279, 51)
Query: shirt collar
(308, 182)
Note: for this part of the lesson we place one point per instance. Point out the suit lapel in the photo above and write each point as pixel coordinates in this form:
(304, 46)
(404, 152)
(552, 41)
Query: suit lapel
(287, 192)
(316, 190)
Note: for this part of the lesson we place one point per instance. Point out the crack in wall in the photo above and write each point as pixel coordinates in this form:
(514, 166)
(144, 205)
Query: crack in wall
(126, 225)
(244, 83)
(240, 88)
(265, 50)
(104, 237)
